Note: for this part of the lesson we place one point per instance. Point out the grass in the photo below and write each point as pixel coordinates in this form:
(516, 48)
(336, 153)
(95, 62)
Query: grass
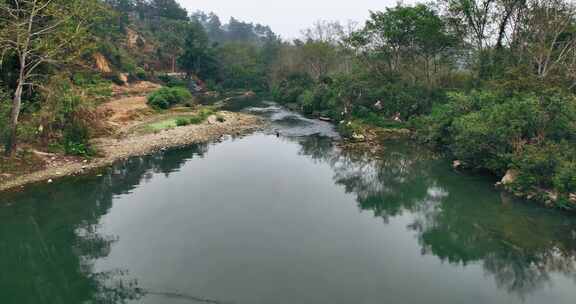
(182, 120)
(163, 125)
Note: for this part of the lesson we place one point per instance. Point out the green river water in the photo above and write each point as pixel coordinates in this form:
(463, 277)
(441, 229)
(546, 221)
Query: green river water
(289, 220)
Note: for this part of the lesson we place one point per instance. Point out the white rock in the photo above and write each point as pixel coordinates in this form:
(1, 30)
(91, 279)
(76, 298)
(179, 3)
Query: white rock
(358, 137)
(456, 164)
(510, 177)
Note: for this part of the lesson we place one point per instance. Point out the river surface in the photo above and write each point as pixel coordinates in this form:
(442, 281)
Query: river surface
(287, 219)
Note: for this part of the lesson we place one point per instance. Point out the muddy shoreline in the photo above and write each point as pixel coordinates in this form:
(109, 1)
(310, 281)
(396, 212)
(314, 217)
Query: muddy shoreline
(113, 150)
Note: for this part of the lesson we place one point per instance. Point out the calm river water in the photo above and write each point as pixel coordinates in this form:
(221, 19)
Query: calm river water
(282, 220)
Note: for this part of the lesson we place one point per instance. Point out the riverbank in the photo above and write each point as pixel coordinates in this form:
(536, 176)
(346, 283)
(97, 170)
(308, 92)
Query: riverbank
(113, 149)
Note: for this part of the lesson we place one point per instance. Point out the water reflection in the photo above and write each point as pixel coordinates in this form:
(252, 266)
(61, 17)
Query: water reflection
(50, 237)
(458, 221)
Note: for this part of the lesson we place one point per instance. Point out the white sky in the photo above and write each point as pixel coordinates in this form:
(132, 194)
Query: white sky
(289, 17)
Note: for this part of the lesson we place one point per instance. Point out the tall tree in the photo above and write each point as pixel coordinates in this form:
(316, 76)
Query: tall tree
(405, 35)
(40, 32)
(198, 58)
(169, 9)
(549, 36)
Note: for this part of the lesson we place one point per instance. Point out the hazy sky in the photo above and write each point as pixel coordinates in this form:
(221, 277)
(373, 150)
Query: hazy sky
(289, 17)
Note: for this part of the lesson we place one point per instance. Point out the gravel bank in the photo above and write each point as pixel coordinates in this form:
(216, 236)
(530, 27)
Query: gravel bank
(118, 149)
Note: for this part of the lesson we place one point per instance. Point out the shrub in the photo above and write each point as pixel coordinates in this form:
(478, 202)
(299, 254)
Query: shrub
(565, 177)
(196, 119)
(5, 107)
(141, 73)
(182, 122)
(350, 128)
(166, 97)
(76, 140)
(93, 85)
(172, 82)
(290, 89)
(534, 134)
(68, 116)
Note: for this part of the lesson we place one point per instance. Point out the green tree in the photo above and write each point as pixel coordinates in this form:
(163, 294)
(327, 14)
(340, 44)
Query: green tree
(404, 34)
(41, 32)
(198, 57)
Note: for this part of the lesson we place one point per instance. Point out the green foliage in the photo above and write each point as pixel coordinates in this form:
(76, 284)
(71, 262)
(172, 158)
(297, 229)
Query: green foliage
(171, 81)
(565, 177)
(350, 128)
(67, 115)
(241, 67)
(5, 108)
(76, 140)
(487, 130)
(290, 89)
(182, 122)
(93, 85)
(235, 31)
(374, 119)
(198, 118)
(410, 28)
(166, 97)
(140, 73)
(199, 58)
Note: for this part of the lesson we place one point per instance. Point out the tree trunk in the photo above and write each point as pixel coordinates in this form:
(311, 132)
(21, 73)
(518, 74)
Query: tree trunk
(12, 133)
(173, 63)
(11, 144)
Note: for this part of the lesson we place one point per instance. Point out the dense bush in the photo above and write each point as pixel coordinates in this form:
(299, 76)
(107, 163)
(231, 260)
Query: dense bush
(68, 118)
(533, 134)
(76, 139)
(93, 85)
(182, 122)
(172, 82)
(166, 97)
(290, 89)
(198, 118)
(140, 73)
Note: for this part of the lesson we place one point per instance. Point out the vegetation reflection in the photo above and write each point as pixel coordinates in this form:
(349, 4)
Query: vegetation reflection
(57, 244)
(455, 220)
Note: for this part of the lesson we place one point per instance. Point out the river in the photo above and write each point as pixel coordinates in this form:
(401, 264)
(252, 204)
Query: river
(282, 216)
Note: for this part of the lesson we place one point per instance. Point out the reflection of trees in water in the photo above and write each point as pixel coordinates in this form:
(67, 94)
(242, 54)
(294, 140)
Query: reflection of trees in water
(50, 239)
(519, 245)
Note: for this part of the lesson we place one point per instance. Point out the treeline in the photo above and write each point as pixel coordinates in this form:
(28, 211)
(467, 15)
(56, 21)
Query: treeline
(489, 82)
(59, 59)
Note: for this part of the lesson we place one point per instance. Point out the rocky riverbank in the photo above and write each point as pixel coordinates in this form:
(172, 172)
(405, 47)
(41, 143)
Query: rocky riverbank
(113, 149)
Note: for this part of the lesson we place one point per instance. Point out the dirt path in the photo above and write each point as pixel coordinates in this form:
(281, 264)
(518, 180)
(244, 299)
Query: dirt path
(124, 111)
(129, 104)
